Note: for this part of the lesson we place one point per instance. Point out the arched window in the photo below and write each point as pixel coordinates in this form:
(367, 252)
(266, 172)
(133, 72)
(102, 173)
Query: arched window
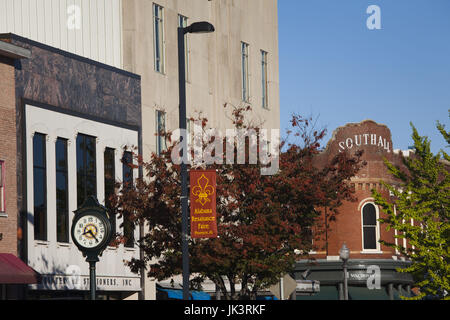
(370, 227)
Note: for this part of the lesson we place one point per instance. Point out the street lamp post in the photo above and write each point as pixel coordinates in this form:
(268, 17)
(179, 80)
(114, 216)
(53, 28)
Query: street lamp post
(344, 254)
(196, 27)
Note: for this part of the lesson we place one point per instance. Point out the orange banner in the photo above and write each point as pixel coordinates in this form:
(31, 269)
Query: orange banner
(203, 203)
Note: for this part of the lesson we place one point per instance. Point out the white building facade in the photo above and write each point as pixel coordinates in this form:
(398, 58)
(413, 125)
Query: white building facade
(59, 262)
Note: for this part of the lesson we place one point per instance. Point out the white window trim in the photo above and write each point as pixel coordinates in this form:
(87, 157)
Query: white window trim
(163, 40)
(247, 77)
(186, 48)
(158, 138)
(265, 91)
(377, 228)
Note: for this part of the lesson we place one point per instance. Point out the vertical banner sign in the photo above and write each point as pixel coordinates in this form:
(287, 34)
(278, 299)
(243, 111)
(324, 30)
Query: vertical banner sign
(203, 203)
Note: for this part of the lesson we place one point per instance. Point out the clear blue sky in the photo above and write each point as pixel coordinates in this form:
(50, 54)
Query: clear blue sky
(334, 68)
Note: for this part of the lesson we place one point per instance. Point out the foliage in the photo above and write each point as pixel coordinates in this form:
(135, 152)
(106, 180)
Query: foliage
(263, 221)
(423, 197)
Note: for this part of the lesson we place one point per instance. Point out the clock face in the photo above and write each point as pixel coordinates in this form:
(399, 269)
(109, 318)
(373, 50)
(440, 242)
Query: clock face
(89, 231)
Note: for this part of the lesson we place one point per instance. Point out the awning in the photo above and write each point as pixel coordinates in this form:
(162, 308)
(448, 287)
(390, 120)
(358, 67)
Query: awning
(200, 295)
(363, 293)
(178, 294)
(15, 271)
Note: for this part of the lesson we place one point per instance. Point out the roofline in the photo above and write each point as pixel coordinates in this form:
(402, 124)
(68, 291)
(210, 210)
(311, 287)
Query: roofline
(12, 51)
(13, 36)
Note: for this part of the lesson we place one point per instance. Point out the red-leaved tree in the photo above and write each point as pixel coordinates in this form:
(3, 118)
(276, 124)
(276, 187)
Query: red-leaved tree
(263, 220)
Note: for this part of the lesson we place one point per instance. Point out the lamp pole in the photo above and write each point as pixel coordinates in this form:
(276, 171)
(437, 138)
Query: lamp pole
(197, 27)
(344, 254)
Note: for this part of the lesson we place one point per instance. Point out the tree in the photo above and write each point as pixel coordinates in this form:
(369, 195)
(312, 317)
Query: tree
(422, 196)
(263, 220)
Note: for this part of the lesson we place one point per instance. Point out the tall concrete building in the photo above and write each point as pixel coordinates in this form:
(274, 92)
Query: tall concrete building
(237, 65)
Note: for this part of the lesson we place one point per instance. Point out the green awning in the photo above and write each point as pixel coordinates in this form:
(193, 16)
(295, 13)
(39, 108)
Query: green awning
(363, 293)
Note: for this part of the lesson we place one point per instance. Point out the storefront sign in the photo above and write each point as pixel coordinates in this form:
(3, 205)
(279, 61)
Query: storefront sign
(81, 282)
(308, 286)
(365, 139)
(203, 203)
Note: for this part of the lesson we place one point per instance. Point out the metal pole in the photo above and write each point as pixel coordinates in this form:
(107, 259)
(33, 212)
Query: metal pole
(92, 279)
(345, 281)
(182, 124)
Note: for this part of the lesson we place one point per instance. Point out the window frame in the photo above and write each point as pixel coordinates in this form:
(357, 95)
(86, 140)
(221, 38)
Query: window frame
(65, 172)
(158, 44)
(112, 179)
(44, 235)
(127, 179)
(264, 79)
(85, 174)
(160, 140)
(245, 76)
(183, 23)
(377, 228)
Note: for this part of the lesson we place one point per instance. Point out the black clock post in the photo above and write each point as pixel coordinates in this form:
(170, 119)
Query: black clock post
(91, 232)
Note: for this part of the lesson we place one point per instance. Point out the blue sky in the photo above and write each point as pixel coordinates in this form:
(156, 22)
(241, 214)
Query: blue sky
(334, 68)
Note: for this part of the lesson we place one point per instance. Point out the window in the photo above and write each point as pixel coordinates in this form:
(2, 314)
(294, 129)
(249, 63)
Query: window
(2, 187)
(160, 131)
(189, 137)
(40, 186)
(264, 82)
(158, 37)
(86, 168)
(370, 227)
(62, 195)
(245, 77)
(110, 174)
(182, 23)
(127, 171)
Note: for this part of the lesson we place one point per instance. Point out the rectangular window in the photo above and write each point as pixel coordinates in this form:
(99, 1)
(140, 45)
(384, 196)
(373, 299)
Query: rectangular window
(160, 131)
(127, 171)
(62, 195)
(183, 23)
(86, 167)
(264, 82)
(2, 187)
(110, 174)
(245, 76)
(158, 37)
(40, 186)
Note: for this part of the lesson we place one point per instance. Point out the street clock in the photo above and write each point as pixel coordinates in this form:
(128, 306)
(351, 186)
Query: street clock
(91, 233)
(91, 227)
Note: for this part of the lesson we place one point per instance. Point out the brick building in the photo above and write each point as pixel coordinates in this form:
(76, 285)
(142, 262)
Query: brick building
(357, 223)
(13, 272)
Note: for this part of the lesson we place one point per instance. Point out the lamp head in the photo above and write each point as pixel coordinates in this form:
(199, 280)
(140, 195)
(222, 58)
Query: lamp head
(344, 253)
(199, 27)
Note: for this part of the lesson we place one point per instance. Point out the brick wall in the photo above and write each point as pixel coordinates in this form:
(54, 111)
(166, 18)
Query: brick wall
(8, 220)
(375, 141)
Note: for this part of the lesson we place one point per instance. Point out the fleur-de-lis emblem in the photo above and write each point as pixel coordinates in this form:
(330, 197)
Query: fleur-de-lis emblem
(202, 190)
